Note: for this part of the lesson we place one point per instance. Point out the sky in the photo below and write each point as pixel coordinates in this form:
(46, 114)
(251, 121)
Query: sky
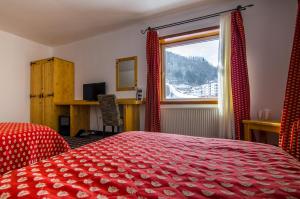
(207, 49)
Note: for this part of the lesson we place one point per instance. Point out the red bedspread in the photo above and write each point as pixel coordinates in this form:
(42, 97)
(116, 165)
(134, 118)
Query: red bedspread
(22, 144)
(154, 165)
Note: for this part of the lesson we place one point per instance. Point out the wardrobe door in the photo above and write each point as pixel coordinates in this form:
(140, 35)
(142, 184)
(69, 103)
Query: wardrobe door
(63, 81)
(50, 113)
(50, 118)
(48, 79)
(36, 86)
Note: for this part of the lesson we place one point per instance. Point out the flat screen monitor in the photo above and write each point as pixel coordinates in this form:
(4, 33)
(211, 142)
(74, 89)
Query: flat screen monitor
(91, 91)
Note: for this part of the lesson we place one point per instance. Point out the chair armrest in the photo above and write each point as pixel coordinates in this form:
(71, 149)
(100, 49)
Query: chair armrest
(295, 140)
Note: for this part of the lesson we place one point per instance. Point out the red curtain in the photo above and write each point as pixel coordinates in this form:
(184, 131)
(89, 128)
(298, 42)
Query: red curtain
(239, 74)
(152, 116)
(295, 140)
(291, 107)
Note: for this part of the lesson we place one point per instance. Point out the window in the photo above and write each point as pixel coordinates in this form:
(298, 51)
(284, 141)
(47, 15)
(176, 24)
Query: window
(189, 67)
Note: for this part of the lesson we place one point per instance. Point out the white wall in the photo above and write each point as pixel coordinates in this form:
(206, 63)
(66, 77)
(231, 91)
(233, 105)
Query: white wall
(16, 54)
(269, 29)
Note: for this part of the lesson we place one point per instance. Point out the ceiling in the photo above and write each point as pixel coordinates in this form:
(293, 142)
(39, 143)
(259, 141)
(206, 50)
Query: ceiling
(56, 22)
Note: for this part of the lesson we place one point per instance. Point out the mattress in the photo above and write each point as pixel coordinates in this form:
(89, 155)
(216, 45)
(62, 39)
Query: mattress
(22, 144)
(158, 165)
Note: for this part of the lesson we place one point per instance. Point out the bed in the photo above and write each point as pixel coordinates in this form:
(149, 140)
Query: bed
(22, 144)
(157, 165)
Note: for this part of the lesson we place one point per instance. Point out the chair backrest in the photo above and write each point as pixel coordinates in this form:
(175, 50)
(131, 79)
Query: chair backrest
(110, 110)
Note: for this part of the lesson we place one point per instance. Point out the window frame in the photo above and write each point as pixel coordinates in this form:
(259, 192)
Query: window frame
(182, 38)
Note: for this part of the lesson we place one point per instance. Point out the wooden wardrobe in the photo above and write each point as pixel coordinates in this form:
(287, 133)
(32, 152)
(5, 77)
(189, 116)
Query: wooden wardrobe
(51, 81)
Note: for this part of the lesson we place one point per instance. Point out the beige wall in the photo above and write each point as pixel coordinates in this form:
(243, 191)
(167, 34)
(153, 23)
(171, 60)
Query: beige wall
(16, 54)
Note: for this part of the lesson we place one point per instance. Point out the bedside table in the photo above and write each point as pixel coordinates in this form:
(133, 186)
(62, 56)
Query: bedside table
(260, 125)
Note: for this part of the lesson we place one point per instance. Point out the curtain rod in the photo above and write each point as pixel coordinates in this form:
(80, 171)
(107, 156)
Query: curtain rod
(239, 8)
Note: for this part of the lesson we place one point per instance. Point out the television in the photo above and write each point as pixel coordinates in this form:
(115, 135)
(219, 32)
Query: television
(91, 91)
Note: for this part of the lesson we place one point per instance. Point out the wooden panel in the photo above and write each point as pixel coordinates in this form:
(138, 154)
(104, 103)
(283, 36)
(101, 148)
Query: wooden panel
(50, 113)
(263, 122)
(36, 83)
(189, 37)
(80, 119)
(36, 110)
(267, 128)
(79, 103)
(247, 133)
(260, 125)
(50, 110)
(191, 32)
(35, 79)
(130, 101)
(63, 80)
(189, 102)
(48, 78)
(131, 117)
(88, 103)
(63, 110)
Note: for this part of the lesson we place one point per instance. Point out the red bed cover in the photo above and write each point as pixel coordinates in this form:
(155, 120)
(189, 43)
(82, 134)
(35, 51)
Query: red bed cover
(154, 165)
(22, 144)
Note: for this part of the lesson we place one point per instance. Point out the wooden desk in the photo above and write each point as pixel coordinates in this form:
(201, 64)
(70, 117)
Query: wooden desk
(79, 112)
(260, 125)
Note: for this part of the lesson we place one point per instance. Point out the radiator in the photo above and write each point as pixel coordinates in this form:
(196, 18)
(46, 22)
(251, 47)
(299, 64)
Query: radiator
(194, 121)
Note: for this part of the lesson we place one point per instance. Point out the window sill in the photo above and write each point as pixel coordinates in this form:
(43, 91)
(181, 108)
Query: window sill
(190, 102)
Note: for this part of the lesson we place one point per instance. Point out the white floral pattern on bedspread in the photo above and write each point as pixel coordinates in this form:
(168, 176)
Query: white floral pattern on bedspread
(158, 165)
(22, 144)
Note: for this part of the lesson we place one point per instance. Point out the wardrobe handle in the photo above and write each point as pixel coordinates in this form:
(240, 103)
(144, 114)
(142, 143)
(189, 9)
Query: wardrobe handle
(50, 95)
